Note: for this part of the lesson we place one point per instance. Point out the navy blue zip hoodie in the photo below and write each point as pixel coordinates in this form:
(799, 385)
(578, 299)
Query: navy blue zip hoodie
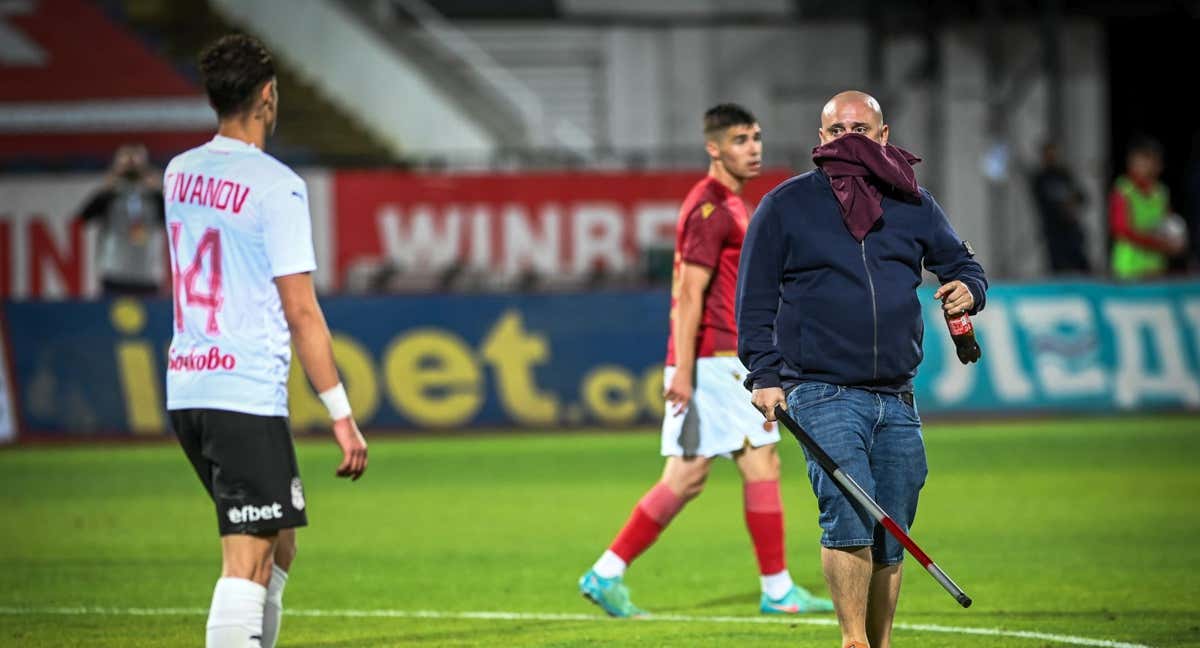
(813, 303)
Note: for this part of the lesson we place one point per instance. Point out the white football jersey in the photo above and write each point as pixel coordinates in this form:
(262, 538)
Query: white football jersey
(236, 219)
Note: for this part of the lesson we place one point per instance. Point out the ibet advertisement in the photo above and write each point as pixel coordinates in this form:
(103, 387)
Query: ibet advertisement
(551, 361)
(412, 362)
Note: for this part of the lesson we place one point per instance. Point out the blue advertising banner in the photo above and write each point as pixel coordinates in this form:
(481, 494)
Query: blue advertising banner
(1080, 347)
(445, 362)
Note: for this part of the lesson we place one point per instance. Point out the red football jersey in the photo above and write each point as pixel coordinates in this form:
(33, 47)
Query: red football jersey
(711, 228)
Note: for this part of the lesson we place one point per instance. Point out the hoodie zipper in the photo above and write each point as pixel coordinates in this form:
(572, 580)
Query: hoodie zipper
(874, 313)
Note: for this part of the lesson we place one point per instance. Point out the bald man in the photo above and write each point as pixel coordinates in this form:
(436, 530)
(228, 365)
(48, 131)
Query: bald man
(829, 326)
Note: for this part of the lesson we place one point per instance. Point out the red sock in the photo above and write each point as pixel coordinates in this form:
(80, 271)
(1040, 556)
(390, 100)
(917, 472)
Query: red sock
(764, 518)
(651, 515)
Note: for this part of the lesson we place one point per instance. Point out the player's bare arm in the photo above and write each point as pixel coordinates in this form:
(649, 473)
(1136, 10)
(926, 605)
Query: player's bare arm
(693, 282)
(314, 346)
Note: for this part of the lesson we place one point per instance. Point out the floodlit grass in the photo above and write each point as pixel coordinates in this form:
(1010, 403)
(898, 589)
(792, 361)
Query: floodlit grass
(1077, 527)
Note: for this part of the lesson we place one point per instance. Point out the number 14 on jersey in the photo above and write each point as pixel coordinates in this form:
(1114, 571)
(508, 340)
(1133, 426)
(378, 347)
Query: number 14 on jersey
(187, 293)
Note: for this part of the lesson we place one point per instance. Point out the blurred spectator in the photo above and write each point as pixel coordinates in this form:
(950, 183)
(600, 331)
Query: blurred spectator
(1145, 233)
(129, 211)
(1060, 201)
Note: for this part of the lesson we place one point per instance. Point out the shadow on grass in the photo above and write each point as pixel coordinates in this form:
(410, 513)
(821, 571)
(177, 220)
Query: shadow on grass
(750, 599)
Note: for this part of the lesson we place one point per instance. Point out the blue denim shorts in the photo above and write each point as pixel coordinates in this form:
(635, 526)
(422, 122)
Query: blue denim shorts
(876, 439)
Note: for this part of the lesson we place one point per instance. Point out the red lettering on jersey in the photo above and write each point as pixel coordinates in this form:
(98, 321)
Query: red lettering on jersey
(211, 360)
(210, 192)
(197, 197)
(211, 244)
(183, 181)
(223, 192)
(213, 192)
(238, 201)
(176, 275)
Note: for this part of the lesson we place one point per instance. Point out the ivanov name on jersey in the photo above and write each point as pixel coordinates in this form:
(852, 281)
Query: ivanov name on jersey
(217, 193)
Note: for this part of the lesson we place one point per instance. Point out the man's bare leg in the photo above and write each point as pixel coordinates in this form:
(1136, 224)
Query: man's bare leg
(881, 608)
(848, 573)
(758, 464)
(686, 476)
(248, 556)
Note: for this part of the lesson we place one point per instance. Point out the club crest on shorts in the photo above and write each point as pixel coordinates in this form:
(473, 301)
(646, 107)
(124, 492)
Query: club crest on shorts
(297, 494)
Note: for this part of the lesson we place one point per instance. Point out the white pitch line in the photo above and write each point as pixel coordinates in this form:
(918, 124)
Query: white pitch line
(532, 616)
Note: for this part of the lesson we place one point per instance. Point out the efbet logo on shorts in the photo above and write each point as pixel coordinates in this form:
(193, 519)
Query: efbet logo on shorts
(255, 513)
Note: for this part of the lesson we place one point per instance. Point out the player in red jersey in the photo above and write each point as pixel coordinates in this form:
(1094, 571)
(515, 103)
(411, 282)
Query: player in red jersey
(707, 412)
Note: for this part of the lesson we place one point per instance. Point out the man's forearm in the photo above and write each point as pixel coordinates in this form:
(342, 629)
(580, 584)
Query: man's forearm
(314, 346)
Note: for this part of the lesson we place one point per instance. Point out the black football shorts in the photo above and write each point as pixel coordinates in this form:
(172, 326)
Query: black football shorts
(248, 465)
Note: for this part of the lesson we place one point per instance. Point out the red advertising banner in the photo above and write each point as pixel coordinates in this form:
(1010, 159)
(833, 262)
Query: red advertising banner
(554, 224)
(75, 81)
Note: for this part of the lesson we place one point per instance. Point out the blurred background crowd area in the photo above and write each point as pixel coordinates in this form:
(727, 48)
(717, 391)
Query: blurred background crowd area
(542, 145)
(513, 173)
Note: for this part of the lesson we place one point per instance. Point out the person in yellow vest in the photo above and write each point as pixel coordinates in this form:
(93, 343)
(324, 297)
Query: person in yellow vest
(1144, 231)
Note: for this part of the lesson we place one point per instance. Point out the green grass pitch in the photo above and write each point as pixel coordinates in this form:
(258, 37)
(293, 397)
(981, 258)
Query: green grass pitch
(1088, 528)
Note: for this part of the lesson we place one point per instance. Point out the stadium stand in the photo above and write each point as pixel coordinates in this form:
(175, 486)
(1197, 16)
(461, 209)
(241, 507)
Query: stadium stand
(82, 78)
(311, 128)
(75, 84)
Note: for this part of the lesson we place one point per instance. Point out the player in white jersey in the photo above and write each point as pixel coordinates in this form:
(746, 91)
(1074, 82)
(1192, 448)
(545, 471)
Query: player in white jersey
(241, 259)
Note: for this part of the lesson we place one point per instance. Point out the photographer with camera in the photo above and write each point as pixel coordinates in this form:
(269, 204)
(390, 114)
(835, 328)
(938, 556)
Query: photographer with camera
(129, 211)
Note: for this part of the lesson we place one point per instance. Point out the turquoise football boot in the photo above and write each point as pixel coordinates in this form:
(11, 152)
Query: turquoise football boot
(610, 594)
(797, 601)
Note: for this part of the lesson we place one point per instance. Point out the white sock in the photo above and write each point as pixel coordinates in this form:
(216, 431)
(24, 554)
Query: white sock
(273, 609)
(776, 585)
(235, 619)
(610, 565)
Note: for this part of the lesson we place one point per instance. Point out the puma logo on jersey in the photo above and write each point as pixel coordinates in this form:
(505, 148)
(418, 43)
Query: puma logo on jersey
(255, 513)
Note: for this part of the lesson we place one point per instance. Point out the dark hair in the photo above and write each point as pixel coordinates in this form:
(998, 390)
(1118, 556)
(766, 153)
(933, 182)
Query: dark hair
(722, 116)
(1145, 145)
(233, 69)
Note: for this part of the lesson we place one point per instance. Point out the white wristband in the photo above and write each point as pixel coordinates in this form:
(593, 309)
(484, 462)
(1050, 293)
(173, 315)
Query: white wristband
(336, 402)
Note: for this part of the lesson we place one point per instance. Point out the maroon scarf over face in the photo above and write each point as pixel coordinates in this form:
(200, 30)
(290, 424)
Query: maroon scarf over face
(860, 170)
